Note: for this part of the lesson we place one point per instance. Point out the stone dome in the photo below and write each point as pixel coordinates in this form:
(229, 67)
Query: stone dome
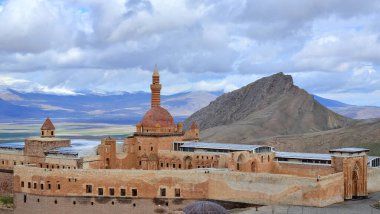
(204, 207)
(194, 125)
(157, 115)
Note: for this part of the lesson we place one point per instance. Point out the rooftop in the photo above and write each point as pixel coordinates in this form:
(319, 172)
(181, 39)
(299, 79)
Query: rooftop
(64, 151)
(48, 125)
(299, 155)
(15, 146)
(350, 150)
(221, 146)
(47, 139)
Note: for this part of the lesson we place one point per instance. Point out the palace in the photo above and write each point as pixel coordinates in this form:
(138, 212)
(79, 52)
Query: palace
(162, 168)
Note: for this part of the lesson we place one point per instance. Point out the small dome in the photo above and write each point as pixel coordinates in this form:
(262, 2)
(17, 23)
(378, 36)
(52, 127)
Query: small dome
(204, 207)
(138, 124)
(179, 125)
(48, 125)
(194, 125)
(157, 115)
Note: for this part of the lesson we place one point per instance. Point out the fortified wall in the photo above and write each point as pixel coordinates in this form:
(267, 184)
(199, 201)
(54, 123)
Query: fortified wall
(255, 188)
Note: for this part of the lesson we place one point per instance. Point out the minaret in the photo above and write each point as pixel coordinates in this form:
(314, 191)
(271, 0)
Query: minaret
(155, 87)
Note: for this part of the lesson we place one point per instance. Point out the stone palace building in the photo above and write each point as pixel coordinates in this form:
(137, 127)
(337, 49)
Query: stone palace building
(162, 168)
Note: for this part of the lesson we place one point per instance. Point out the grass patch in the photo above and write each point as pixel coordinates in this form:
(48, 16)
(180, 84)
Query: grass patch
(376, 205)
(6, 200)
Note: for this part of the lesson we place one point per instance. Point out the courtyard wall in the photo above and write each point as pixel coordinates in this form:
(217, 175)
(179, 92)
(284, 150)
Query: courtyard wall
(196, 184)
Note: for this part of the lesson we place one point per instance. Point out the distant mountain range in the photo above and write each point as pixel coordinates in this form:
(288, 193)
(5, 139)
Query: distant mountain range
(127, 107)
(109, 108)
(351, 111)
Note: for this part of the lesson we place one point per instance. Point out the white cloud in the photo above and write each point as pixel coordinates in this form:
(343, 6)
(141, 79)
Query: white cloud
(54, 90)
(67, 47)
(9, 81)
(70, 56)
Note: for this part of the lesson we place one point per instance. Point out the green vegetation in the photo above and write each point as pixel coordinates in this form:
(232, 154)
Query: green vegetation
(6, 200)
(376, 205)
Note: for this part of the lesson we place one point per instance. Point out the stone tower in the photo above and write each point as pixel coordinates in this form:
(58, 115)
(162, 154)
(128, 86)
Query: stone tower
(47, 129)
(155, 87)
(353, 163)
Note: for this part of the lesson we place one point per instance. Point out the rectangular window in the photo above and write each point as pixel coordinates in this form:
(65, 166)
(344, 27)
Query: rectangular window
(162, 164)
(134, 192)
(29, 185)
(112, 191)
(49, 186)
(177, 192)
(100, 191)
(179, 166)
(88, 188)
(173, 165)
(122, 192)
(35, 185)
(42, 186)
(163, 192)
(22, 183)
(58, 186)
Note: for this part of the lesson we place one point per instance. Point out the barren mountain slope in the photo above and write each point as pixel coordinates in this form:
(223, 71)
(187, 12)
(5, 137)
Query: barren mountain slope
(364, 134)
(268, 107)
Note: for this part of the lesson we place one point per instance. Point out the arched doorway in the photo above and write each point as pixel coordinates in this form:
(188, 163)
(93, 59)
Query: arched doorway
(355, 180)
(240, 161)
(187, 160)
(253, 166)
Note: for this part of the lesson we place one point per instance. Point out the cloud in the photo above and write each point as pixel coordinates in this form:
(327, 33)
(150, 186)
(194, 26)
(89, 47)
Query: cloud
(68, 47)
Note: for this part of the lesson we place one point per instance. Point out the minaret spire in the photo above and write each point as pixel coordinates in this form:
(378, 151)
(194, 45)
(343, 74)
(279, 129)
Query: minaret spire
(155, 87)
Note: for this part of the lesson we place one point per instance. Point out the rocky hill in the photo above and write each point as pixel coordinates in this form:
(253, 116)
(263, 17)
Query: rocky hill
(270, 106)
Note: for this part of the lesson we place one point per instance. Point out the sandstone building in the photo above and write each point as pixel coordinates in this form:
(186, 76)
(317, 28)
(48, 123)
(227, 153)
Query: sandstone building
(162, 166)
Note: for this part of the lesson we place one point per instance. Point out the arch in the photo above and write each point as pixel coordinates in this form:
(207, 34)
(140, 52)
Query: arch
(241, 159)
(187, 162)
(253, 166)
(355, 180)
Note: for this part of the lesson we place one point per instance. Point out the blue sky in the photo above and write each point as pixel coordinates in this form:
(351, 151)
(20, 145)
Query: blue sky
(331, 47)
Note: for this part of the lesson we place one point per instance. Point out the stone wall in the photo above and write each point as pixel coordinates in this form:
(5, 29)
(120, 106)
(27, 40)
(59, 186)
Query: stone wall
(9, 159)
(255, 188)
(37, 146)
(6, 182)
(94, 205)
(304, 170)
(373, 180)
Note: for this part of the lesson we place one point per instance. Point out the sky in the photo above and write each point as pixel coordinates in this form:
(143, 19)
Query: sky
(330, 47)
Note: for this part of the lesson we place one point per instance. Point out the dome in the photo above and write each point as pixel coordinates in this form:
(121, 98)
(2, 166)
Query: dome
(158, 115)
(204, 207)
(48, 125)
(194, 125)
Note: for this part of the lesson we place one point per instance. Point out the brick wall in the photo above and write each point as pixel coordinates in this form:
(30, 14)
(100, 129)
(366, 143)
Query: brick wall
(6, 182)
(258, 188)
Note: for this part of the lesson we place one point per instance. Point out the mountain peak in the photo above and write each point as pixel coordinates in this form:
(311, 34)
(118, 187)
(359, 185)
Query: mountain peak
(270, 106)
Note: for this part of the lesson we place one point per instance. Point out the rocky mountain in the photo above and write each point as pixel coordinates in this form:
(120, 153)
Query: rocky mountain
(270, 106)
